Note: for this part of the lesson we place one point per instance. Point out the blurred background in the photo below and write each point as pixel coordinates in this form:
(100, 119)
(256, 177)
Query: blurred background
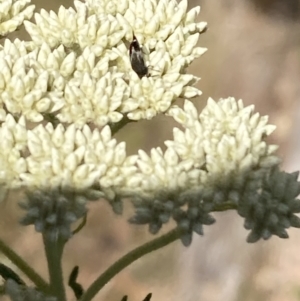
(253, 54)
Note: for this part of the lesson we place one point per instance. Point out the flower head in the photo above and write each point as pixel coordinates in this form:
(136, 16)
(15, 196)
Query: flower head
(77, 72)
(219, 152)
(52, 211)
(226, 143)
(94, 74)
(271, 208)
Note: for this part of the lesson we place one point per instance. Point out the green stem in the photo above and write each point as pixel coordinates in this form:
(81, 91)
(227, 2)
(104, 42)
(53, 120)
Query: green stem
(40, 283)
(54, 251)
(129, 258)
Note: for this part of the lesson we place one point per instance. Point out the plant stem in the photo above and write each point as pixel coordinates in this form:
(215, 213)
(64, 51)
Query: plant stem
(129, 258)
(54, 250)
(40, 283)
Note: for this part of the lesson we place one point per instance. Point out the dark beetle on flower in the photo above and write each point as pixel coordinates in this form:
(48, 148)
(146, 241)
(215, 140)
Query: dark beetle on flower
(137, 58)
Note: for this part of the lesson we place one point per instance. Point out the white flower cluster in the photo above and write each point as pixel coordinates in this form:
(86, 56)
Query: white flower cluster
(26, 87)
(219, 148)
(216, 149)
(80, 71)
(48, 157)
(13, 13)
(220, 157)
(41, 81)
(77, 66)
(77, 71)
(226, 142)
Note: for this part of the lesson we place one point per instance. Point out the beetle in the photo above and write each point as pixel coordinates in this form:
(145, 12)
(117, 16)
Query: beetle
(137, 58)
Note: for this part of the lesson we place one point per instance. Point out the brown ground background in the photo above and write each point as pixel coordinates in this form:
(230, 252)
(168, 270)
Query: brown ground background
(253, 54)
